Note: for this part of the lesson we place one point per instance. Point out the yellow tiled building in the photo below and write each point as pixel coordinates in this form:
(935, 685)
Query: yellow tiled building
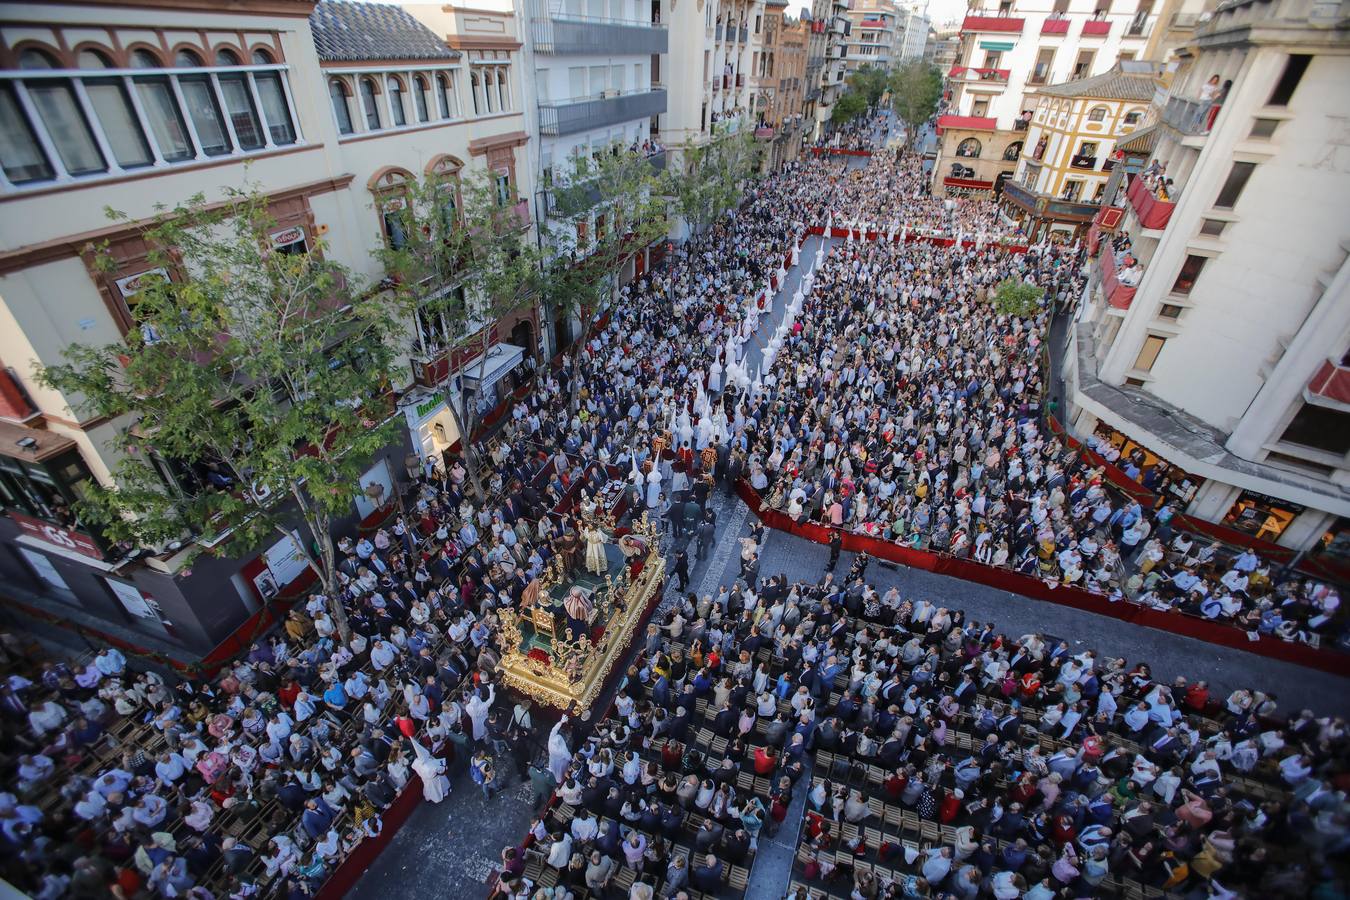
(1069, 154)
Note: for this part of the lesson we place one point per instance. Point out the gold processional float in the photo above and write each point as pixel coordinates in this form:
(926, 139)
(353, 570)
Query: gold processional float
(543, 657)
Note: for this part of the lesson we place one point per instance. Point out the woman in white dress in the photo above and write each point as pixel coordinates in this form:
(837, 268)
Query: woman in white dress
(435, 784)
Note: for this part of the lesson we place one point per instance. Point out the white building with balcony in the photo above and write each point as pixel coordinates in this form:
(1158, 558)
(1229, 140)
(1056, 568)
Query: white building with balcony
(1230, 357)
(912, 30)
(714, 53)
(874, 32)
(597, 78)
(1009, 50)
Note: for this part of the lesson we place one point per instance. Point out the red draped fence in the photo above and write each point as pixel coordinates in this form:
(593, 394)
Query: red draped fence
(1078, 598)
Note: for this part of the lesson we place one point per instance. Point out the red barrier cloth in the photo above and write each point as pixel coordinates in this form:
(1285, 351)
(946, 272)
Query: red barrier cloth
(364, 853)
(1007, 580)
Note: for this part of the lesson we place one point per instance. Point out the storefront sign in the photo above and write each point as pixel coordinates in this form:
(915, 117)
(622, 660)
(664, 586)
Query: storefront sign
(287, 236)
(132, 285)
(60, 537)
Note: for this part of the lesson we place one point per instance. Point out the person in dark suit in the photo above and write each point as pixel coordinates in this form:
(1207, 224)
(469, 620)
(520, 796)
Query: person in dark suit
(836, 544)
(681, 570)
(708, 876)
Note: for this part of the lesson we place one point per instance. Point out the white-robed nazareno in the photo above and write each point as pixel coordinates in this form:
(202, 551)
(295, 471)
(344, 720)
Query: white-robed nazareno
(435, 784)
(559, 757)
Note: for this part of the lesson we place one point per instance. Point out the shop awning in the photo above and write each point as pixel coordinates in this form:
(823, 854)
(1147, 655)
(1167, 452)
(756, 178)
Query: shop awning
(501, 358)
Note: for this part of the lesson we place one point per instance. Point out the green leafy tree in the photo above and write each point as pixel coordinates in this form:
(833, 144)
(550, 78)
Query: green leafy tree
(714, 177)
(848, 107)
(915, 90)
(608, 207)
(1015, 297)
(871, 82)
(265, 372)
(461, 258)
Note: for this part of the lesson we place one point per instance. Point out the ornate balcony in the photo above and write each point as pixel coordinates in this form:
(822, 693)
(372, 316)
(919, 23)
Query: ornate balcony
(1152, 212)
(1083, 161)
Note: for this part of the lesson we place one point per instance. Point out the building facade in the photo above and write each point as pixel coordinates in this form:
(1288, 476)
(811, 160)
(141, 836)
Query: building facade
(597, 78)
(912, 30)
(1069, 152)
(1227, 357)
(780, 84)
(874, 33)
(831, 18)
(330, 110)
(714, 49)
(1010, 49)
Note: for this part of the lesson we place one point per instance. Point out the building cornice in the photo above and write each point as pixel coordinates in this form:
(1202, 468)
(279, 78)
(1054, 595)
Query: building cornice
(291, 9)
(482, 146)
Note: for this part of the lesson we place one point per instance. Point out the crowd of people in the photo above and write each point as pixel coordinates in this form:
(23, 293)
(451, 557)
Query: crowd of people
(902, 405)
(906, 407)
(1055, 772)
(267, 776)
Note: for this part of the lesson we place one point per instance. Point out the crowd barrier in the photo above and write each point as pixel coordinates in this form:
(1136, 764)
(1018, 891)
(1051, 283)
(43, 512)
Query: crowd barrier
(839, 151)
(910, 238)
(1332, 661)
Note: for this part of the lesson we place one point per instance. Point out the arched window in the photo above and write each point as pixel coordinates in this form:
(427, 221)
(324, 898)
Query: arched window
(489, 91)
(184, 59)
(342, 112)
(1013, 151)
(226, 57)
(1133, 116)
(444, 99)
(262, 58)
(970, 148)
(62, 118)
(445, 173)
(33, 58)
(1097, 114)
(503, 90)
(473, 92)
(368, 97)
(396, 101)
(420, 99)
(391, 200)
(144, 59)
(93, 59)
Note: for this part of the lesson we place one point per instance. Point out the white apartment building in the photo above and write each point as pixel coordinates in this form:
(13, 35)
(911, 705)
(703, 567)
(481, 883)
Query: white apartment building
(331, 109)
(1230, 357)
(597, 78)
(912, 29)
(1010, 49)
(713, 52)
(874, 33)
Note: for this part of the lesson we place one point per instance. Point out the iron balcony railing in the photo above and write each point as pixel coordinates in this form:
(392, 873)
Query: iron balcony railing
(568, 118)
(575, 35)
